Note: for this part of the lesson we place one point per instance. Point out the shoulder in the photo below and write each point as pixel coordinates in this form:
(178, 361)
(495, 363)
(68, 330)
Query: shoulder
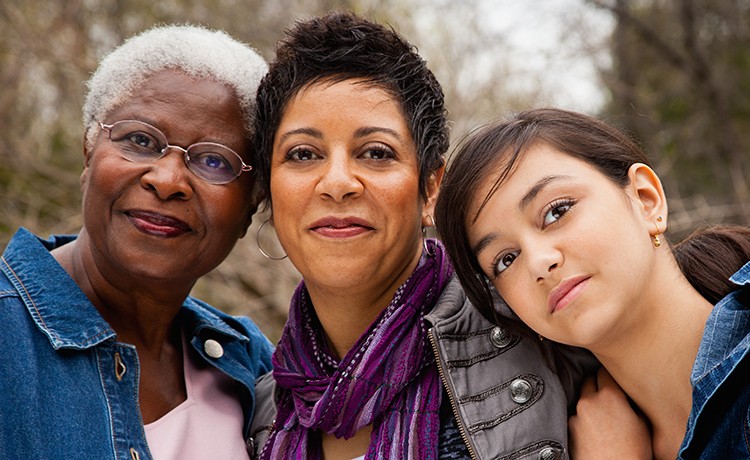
(265, 414)
(205, 321)
(498, 382)
(203, 315)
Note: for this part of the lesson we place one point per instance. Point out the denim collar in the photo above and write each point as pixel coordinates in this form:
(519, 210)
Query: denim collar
(62, 311)
(725, 336)
(742, 277)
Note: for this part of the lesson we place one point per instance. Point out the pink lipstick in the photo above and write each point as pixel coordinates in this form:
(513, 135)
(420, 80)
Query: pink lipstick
(566, 292)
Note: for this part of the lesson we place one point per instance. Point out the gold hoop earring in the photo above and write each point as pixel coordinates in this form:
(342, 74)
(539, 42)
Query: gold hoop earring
(424, 236)
(257, 241)
(657, 240)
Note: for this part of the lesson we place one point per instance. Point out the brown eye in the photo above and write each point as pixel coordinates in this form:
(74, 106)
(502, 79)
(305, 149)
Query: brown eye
(556, 211)
(503, 262)
(301, 154)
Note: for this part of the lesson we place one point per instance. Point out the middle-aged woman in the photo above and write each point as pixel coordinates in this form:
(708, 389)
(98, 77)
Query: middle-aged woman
(561, 214)
(351, 130)
(103, 353)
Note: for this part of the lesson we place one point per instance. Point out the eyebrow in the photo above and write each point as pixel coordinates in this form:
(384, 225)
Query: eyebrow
(361, 132)
(484, 242)
(537, 188)
(487, 239)
(308, 131)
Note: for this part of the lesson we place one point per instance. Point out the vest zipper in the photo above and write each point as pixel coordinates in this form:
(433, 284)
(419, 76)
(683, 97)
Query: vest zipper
(459, 421)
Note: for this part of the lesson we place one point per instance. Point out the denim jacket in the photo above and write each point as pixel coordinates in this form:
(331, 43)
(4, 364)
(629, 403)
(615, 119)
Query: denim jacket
(719, 423)
(69, 388)
(510, 401)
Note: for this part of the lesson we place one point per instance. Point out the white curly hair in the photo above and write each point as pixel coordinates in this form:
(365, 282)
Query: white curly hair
(198, 51)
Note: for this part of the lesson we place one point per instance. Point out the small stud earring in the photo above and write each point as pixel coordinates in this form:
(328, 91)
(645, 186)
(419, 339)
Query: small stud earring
(657, 240)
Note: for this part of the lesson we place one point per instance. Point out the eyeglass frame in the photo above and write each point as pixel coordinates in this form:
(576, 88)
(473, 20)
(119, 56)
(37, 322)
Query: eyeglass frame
(185, 151)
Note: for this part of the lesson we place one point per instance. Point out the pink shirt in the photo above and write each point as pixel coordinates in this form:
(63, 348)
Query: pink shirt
(208, 424)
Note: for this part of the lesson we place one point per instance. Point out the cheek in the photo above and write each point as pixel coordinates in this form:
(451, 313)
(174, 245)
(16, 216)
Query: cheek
(402, 196)
(232, 207)
(519, 293)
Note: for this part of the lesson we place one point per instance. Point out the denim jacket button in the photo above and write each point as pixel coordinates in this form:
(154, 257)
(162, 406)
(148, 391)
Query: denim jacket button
(213, 348)
(520, 391)
(500, 337)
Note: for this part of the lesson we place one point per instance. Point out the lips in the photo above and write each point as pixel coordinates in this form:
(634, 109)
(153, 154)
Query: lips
(566, 292)
(157, 224)
(341, 227)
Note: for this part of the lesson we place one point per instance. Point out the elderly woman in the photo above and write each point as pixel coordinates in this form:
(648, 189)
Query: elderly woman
(104, 355)
(381, 357)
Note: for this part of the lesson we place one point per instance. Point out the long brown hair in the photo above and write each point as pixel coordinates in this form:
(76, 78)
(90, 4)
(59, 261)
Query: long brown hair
(710, 255)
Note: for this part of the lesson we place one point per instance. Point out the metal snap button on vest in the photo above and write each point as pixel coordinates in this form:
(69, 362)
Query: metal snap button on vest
(548, 453)
(499, 337)
(213, 348)
(520, 391)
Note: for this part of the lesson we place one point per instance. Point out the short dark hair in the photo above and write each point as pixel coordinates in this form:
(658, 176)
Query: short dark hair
(342, 46)
(504, 142)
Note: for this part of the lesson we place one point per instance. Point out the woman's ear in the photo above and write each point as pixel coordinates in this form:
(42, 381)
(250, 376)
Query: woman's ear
(86, 161)
(431, 190)
(648, 193)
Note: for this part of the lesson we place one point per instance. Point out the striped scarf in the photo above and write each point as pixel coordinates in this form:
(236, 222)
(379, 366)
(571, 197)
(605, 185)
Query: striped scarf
(387, 380)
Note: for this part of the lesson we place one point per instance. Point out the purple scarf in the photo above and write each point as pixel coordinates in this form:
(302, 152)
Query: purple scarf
(387, 380)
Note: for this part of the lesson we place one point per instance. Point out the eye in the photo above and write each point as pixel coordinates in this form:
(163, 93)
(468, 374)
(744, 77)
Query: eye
(378, 152)
(503, 261)
(142, 140)
(211, 161)
(301, 154)
(555, 211)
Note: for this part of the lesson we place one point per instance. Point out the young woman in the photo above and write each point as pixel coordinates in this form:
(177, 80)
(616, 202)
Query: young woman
(381, 357)
(562, 216)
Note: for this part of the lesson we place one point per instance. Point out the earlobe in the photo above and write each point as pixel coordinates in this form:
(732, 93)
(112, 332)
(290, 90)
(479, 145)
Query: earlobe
(86, 152)
(249, 221)
(432, 188)
(86, 160)
(648, 192)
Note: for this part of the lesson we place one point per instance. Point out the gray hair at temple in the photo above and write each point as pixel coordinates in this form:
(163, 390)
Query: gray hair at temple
(195, 50)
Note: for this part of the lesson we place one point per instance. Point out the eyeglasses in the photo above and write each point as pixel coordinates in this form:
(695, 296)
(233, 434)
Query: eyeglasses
(140, 142)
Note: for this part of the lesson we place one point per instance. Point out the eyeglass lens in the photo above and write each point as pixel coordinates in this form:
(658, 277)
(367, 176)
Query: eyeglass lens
(142, 143)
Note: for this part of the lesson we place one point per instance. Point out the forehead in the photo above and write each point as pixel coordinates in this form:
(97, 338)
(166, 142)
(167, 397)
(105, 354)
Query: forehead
(174, 90)
(505, 188)
(343, 100)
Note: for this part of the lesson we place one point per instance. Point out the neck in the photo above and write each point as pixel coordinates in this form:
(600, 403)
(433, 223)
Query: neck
(652, 355)
(141, 313)
(345, 314)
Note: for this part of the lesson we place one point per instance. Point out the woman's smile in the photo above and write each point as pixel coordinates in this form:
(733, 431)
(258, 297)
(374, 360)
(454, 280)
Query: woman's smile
(157, 224)
(341, 227)
(566, 292)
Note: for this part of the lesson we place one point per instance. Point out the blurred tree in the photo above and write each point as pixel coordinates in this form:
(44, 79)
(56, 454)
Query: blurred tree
(679, 83)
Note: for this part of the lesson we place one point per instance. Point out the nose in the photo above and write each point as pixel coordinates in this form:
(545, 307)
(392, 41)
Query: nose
(339, 179)
(543, 259)
(169, 176)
